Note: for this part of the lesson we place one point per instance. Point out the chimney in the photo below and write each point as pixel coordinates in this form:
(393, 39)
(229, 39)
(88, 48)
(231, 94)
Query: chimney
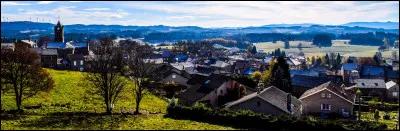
(259, 87)
(289, 102)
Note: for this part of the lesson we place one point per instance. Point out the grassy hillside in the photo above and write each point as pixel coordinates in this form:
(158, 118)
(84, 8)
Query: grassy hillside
(338, 46)
(70, 95)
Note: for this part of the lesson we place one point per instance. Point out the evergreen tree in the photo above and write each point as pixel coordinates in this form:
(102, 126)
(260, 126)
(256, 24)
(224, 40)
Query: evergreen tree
(278, 80)
(338, 60)
(313, 60)
(254, 50)
(287, 46)
(322, 40)
(283, 54)
(377, 60)
(278, 52)
(280, 75)
(327, 60)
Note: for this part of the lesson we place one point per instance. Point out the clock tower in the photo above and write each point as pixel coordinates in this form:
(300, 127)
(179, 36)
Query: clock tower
(59, 32)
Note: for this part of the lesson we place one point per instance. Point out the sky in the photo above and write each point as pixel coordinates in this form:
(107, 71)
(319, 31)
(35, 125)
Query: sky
(200, 13)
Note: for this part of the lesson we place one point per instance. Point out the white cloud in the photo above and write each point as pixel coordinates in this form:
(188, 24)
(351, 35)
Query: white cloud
(13, 3)
(45, 2)
(20, 9)
(186, 17)
(69, 16)
(76, 1)
(266, 12)
(98, 9)
(213, 13)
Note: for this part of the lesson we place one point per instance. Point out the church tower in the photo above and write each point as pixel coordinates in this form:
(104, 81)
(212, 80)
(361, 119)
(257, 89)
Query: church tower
(59, 32)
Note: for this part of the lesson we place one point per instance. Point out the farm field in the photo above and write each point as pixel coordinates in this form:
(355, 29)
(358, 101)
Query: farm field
(70, 96)
(338, 46)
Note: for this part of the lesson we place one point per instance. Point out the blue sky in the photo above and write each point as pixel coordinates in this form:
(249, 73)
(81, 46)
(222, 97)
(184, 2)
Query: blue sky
(201, 13)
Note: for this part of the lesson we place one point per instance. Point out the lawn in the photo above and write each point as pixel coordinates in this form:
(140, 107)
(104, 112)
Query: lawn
(369, 116)
(338, 46)
(70, 95)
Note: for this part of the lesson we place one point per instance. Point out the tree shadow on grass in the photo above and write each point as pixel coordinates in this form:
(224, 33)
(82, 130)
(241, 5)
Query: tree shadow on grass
(79, 120)
(209, 121)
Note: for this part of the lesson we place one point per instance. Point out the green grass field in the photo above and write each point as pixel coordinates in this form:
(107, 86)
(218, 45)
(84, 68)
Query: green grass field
(338, 46)
(369, 116)
(71, 90)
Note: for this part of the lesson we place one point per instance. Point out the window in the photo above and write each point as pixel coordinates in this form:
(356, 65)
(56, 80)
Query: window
(328, 95)
(323, 95)
(74, 63)
(325, 107)
(221, 92)
(376, 84)
(81, 62)
(394, 94)
(363, 84)
(258, 103)
(174, 76)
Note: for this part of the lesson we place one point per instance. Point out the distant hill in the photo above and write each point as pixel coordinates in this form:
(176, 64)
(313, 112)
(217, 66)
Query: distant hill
(161, 33)
(384, 25)
(290, 25)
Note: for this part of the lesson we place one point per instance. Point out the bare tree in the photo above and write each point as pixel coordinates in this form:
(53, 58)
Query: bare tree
(21, 74)
(44, 40)
(141, 70)
(104, 71)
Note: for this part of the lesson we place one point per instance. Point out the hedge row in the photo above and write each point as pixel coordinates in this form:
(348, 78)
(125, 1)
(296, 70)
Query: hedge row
(246, 119)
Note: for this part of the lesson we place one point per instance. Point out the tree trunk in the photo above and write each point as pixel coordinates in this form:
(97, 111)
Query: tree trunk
(137, 106)
(17, 96)
(108, 109)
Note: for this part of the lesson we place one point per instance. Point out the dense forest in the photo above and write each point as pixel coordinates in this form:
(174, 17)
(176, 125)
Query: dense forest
(372, 39)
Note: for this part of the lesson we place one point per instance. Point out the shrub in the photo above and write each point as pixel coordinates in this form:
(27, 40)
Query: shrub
(247, 119)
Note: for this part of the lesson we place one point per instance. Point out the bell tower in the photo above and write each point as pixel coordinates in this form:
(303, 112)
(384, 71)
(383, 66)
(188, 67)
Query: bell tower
(59, 32)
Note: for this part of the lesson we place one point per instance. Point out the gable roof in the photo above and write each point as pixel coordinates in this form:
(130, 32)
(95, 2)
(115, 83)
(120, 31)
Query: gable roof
(371, 83)
(216, 80)
(292, 62)
(75, 57)
(318, 68)
(219, 64)
(390, 84)
(166, 53)
(195, 93)
(204, 70)
(307, 72)
(57, 45)
(41, 51)
(391, 74)
(79, 44)
(347, 95)
(349, 66)
(373, 71)
(272, 95)
(310, 81)
(165, 70)
(197, 79)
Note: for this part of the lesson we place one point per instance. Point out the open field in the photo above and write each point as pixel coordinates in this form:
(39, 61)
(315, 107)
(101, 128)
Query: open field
(338, 46)
(69, 96)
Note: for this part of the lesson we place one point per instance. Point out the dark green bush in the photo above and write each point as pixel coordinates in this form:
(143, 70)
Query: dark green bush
(247, 119)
